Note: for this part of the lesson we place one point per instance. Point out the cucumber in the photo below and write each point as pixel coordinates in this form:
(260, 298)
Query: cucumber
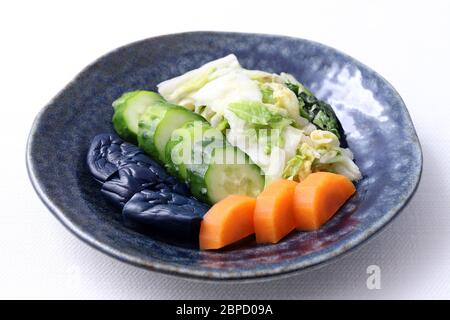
(127, 110)
(190, 147)
(174, 154)
(167, 133)
(156, 125)
(225, 177)
(216, 172)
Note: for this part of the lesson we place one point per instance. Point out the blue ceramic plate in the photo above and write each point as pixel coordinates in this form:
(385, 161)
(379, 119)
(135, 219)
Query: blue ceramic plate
(378, 126)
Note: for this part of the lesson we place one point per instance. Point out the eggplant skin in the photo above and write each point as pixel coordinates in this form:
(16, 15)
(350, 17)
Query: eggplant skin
(151, 200)
(132, 178)
(102, 156)
(109, 153)
(165, 214)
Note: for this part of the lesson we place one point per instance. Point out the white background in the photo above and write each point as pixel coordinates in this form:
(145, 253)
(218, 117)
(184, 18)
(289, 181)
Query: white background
(45, 44)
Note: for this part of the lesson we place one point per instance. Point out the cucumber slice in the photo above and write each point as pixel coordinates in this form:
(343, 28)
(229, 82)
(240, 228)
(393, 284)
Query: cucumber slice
(225, 177)
(200, 155)
(175, 153)
(190, 147)
(156, 125)
(127, 110)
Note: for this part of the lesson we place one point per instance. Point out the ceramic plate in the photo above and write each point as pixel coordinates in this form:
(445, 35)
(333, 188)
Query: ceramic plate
(379, 131)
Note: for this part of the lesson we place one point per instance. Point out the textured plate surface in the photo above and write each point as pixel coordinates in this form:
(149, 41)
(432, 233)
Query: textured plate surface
(379, 131)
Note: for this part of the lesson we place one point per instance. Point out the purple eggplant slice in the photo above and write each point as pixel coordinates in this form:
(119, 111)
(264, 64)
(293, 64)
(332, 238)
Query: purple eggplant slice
(165, 213)
(102, 151)
(108, 153)
(127, 181)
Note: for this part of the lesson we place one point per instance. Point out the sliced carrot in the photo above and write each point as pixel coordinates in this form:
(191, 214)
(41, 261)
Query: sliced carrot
(228, 221)
(319, 197)
(273, 213)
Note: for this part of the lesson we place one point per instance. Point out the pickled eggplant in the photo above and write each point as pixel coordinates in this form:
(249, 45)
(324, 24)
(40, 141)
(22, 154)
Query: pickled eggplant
(127, 181)
(102, 155)
(108, 154)
(166, 214)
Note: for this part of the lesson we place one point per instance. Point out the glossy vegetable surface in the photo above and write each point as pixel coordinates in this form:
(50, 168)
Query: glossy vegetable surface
(318, 198)
(128, 180)
(165, 213)
(199, 154)
(190, 148)
(153, 202)
(127, 110)
(156, 125)
(273, 216)
(322, 115)
(167, 133)
(125, 169)
(108, 152)
(228, 221)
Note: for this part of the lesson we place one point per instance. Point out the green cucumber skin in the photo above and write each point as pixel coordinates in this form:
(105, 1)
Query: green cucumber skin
(123, 98)
(120, 125)
(157, 118)
(197, 182)
(155, 135)
(148, 123)
(202, 177)
(192, 173)
(248, 167)
(122, 105)
(175, 118)
(177, 170)
(177, 139)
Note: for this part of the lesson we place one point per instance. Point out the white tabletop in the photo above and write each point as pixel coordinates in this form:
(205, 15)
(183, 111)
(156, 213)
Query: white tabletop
(45, 44)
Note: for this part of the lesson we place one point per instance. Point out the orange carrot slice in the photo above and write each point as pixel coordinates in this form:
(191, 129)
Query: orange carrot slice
(228, 221)
(273, 213)
(319, 197)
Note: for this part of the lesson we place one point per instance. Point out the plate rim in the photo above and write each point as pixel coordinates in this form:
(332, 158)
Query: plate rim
(220, 276)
